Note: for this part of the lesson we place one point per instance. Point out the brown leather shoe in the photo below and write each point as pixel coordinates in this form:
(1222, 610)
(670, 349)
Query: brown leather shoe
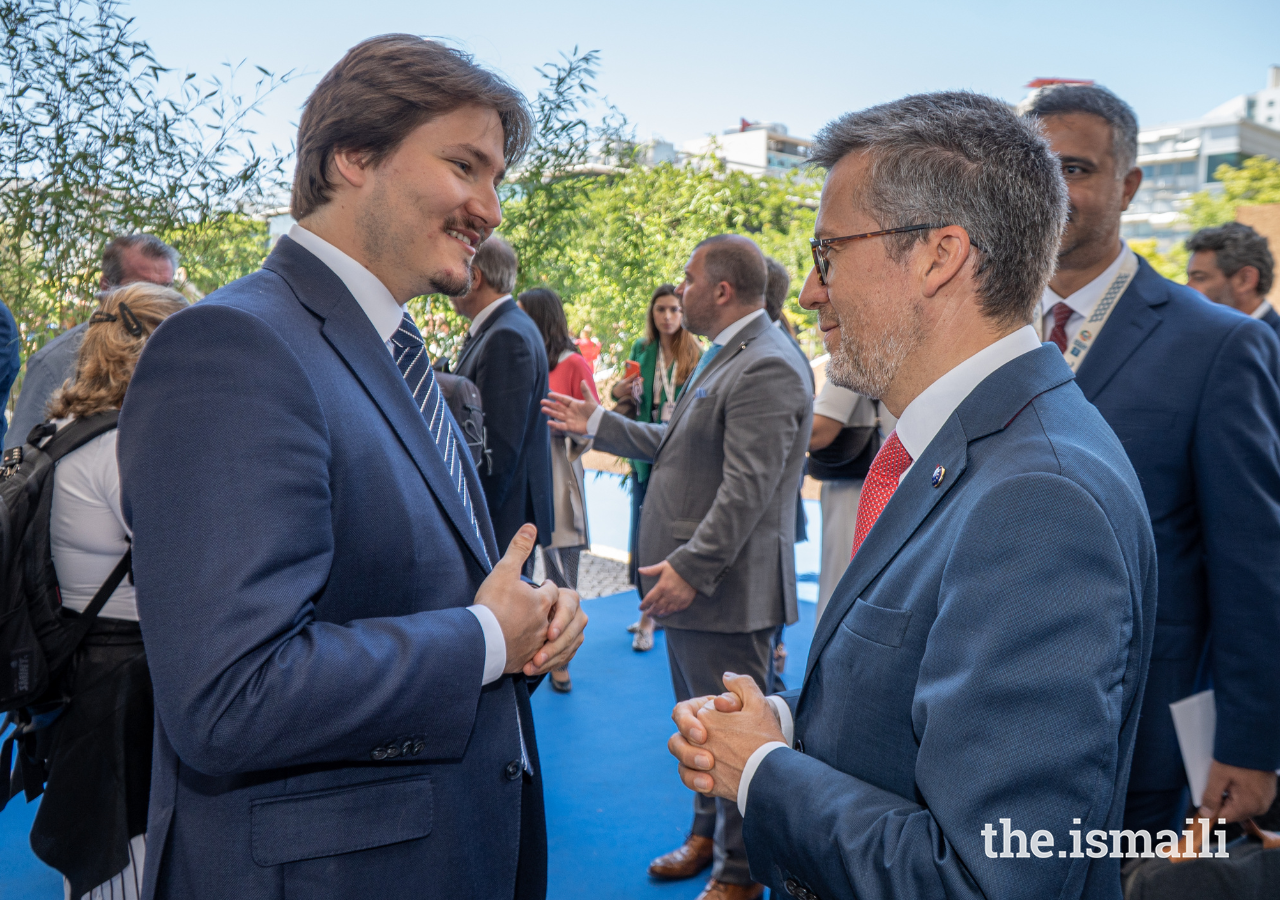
(685, 861)
(721, 890)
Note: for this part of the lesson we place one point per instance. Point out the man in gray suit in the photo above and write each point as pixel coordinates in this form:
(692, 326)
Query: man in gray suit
(125, 260)
(718, 524)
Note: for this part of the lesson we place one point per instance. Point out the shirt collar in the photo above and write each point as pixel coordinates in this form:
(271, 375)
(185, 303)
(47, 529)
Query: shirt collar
(485, 313)
(1263, 308)
(372, 295)
(1084, 300)
(730, 330)
(924, 416)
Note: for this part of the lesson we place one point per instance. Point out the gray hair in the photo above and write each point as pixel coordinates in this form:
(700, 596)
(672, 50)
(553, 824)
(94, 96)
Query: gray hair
(776, 287)
(497, 263)
(1094, 99)
(147, 244)
(1236, 245)
(959, 158)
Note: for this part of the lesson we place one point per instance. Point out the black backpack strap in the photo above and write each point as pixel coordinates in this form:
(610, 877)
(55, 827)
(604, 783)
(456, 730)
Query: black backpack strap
(77, 433)
(85, 622)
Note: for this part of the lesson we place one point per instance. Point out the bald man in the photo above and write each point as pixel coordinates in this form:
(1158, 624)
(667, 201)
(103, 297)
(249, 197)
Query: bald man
(716, 533)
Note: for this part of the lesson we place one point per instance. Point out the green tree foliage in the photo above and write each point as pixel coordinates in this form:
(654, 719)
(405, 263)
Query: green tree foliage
(589, 221)
(98, 139)
(1256, 181)
(1172, 265)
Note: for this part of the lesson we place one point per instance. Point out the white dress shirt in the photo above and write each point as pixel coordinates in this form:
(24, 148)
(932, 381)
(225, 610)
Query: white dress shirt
(1262, 309)
(723, 338)
(918, 425)
(1082, 302)
(385, 314)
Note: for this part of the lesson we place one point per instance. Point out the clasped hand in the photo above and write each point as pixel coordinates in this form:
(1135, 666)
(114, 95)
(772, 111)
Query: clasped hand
(543, 626)
(718, 734)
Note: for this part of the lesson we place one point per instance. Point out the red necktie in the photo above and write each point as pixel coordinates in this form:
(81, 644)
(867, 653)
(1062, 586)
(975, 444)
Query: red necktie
(1061, 314)
(882, 480)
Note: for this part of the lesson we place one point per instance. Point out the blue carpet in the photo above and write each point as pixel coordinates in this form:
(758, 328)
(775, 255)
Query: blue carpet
(614, 801)
(22, 876)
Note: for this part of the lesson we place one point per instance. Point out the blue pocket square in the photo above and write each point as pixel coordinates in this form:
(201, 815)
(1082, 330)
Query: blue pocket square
(699, 393)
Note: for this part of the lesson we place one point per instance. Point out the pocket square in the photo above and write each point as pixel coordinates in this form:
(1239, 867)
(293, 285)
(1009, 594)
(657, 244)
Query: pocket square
(699, 393)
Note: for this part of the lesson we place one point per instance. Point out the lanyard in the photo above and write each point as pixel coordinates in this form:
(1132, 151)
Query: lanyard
(1079, 346)
(663, 387)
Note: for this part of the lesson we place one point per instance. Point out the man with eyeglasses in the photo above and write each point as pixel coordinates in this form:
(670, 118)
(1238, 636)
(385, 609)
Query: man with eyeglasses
(972, 690)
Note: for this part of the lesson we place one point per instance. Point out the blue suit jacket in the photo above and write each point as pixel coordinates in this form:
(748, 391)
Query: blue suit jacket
(10, 359)
(303, 564)
(507, 360)
(1272, 318)
(1190, 388)
(982, 658)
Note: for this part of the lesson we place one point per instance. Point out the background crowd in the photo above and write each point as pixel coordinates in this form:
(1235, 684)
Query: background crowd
(1189, 388)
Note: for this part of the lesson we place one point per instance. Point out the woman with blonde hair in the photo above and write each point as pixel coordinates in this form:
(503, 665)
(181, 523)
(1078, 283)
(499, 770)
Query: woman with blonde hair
(667, 356)
(92, 821)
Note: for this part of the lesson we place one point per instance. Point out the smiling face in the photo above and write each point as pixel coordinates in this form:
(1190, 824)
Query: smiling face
(425, 209)
(869, 318)
(667, 314)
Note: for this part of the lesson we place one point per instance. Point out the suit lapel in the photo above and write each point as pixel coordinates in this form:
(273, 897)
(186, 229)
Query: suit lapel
(503, 307)
(1136, 316)
(351, 334)
(989, 408)
(735, 346)
(910, 504)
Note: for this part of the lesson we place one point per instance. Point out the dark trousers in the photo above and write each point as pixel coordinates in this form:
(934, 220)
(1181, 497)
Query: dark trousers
(698, 662)
(638, 489)
(1156, 810)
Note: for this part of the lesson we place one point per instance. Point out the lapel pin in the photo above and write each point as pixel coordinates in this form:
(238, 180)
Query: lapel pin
(938, 474)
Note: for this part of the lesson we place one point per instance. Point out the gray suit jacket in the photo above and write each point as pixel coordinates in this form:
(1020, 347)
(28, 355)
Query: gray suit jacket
(721, 501)
(47, 369)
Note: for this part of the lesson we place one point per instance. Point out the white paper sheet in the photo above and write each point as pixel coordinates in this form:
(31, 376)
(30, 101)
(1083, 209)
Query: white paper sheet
(1194, 720)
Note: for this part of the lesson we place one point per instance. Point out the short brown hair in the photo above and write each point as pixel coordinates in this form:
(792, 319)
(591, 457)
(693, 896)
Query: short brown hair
(736, 259)
(382, 90)
(110, 349)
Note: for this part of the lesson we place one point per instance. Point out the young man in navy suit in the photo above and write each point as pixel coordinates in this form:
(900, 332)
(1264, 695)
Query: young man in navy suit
(1192, 389)
(972, 692)
(1233, 265)
(341, 655)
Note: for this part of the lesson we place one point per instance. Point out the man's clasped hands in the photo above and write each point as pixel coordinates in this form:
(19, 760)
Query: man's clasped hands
(718, 733)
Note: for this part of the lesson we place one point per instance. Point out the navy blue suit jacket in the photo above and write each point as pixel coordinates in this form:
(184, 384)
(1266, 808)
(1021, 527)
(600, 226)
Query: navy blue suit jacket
(1272, 318)
(507, 360)
(1191, 389)
(10, 359)
(303, 564)
(982, 658)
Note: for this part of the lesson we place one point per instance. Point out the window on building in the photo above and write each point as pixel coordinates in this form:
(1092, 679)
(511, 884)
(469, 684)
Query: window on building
(1187, 168)
(1221, 159)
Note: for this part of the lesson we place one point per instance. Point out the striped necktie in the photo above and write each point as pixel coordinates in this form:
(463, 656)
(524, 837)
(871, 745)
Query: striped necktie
(411, 360)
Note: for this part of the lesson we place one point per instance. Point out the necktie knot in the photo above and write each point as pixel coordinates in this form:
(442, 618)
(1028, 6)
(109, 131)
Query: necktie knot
(882, 480)
(1061, 315)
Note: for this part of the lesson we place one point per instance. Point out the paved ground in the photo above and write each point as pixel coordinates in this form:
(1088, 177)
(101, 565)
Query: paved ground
(597, 576)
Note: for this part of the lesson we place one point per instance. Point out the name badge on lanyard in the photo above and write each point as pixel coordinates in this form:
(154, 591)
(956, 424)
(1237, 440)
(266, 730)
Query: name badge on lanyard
(1079, 346)
(667, 409)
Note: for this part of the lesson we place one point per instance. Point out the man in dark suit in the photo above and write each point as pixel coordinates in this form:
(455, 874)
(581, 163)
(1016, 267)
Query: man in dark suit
(126, 259)
(505, 356)
(1233, 265)
(339, 654)
(973, 688)
(1191, 389)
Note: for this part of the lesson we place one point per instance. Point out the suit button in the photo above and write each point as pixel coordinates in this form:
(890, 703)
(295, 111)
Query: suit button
(512, 770)
(799, 745)
(379, 754)
(393, 751)
(407, 749)
(798, 890)
(418, 747)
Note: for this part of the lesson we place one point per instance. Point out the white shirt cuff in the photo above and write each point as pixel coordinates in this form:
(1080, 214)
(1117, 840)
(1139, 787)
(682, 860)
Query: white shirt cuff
(784, 718)
(749, 771)
(495, 645)
(593, 423)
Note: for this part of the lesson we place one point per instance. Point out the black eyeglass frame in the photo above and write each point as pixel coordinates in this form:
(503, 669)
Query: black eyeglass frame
(819, 246)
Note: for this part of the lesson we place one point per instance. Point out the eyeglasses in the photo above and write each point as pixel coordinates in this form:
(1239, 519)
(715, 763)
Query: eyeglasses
(820, 247)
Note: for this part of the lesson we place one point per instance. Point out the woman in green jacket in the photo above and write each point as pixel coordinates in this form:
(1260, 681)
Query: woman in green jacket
(667, 354)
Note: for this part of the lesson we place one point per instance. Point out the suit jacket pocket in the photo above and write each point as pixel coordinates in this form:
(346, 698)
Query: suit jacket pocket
(340, 820)
(683, 529)
(877, 624)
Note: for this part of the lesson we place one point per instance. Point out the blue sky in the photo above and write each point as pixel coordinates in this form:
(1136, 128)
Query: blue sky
(682, 69)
